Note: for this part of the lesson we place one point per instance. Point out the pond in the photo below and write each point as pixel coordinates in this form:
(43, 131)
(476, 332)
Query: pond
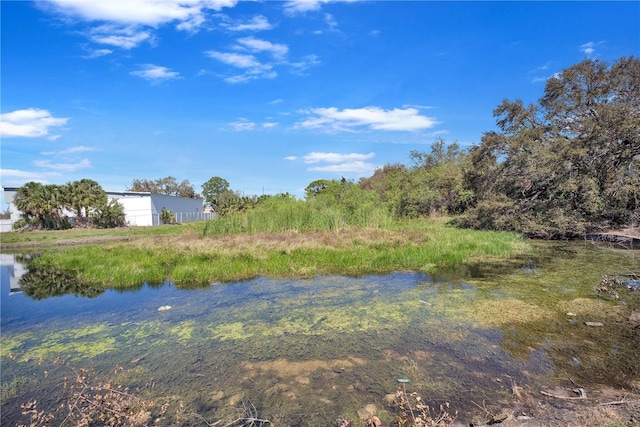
(309, 351)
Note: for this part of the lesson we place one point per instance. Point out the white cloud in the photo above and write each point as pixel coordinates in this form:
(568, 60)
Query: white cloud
(254, 69)
(306, 62)
(242, 125)
(331, 22)
(139, 12)
(123, 37)
(257, 45)
(347, 167)
(276, 101)
(374, 118)
(71, 150)
(17, 178)
(317, 157)
(97, 53)
(257, 23)
(63, 167)
(126, 24)
(238, 60)
(350, 163)
(29, 123)
(589, 48)
(270, 125)
(155, 73)
(294, 7)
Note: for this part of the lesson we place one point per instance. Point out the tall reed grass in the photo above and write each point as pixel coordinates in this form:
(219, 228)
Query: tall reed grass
(300, 216)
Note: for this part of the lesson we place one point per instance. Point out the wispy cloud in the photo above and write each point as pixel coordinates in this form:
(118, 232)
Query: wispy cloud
(71, 150)
(295, 7)
(278, 51)
(372, 118)
(238, 60)
(317, 157)
(257, 23)
(304, 63)
(123, 37)
(589, 48)
(242, 125)
(29, 123)
(17, 178)
(253, 68)
(97, 53)
(63, 167)
(350, 163)
(155, 73)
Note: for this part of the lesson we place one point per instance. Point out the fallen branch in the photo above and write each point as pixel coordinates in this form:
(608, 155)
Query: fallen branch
(619, 402)
(555, 396)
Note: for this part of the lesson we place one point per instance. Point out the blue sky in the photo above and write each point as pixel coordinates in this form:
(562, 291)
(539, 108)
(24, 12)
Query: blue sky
(273, 95)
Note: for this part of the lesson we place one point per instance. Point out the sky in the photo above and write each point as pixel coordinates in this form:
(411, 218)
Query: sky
(272, 95)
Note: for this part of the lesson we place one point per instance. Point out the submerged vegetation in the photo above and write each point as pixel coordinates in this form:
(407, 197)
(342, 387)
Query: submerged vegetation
(305, 352)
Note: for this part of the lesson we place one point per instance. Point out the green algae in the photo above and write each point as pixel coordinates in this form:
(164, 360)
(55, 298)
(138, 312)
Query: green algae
(86, 342)
(454, 336)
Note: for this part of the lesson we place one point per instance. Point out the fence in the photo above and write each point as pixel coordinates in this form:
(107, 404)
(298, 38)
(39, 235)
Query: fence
(186, 217)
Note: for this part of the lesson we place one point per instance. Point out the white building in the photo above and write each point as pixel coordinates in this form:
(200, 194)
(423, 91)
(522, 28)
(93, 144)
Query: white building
(145, 208)
(139, 208)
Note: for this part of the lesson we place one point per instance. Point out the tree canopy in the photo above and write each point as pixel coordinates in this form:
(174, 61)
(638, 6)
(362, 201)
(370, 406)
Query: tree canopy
(213, 190)
(48, 206)
(569, 164)
(168, 186)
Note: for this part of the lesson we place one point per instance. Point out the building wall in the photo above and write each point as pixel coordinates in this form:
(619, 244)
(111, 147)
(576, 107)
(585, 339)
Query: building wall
(183, 208)
(137, 207)
(141, 209)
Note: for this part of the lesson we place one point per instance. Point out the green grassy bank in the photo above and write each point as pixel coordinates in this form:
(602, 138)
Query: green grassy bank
(201, 253)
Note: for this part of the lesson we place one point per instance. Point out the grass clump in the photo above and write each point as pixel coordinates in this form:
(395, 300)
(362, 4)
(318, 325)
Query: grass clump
(283, 239)
(198, 260)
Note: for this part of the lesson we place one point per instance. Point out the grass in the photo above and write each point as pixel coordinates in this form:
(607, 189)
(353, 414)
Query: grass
(242, 247)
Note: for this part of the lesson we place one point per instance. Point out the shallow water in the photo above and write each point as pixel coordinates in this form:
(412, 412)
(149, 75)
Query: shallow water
(306, 352)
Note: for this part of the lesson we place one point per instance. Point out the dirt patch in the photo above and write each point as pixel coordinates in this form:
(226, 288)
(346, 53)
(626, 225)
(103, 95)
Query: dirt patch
(97, 240)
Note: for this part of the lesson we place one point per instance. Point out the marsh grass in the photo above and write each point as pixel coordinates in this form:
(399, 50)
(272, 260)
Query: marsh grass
(298, 216)
(247, 246)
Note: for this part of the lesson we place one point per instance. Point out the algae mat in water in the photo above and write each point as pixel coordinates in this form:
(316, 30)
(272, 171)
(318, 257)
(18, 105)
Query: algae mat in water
(305, 352)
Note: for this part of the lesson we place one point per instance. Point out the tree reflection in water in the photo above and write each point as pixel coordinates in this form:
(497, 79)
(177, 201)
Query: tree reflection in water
(41, 284)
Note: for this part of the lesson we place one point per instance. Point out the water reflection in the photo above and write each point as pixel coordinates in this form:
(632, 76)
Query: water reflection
(306, 352)
(12, 271)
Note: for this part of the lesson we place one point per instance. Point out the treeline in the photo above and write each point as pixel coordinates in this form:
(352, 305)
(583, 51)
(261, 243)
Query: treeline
(80, 203)
(565, 166)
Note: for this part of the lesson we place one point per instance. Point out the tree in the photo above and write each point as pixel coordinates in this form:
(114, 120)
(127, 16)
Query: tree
(167, 186)
(167, 217)
(83, 197)
(316, 187)
(565, 166)
(213, 189)
(109, 215)
(41, 206)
